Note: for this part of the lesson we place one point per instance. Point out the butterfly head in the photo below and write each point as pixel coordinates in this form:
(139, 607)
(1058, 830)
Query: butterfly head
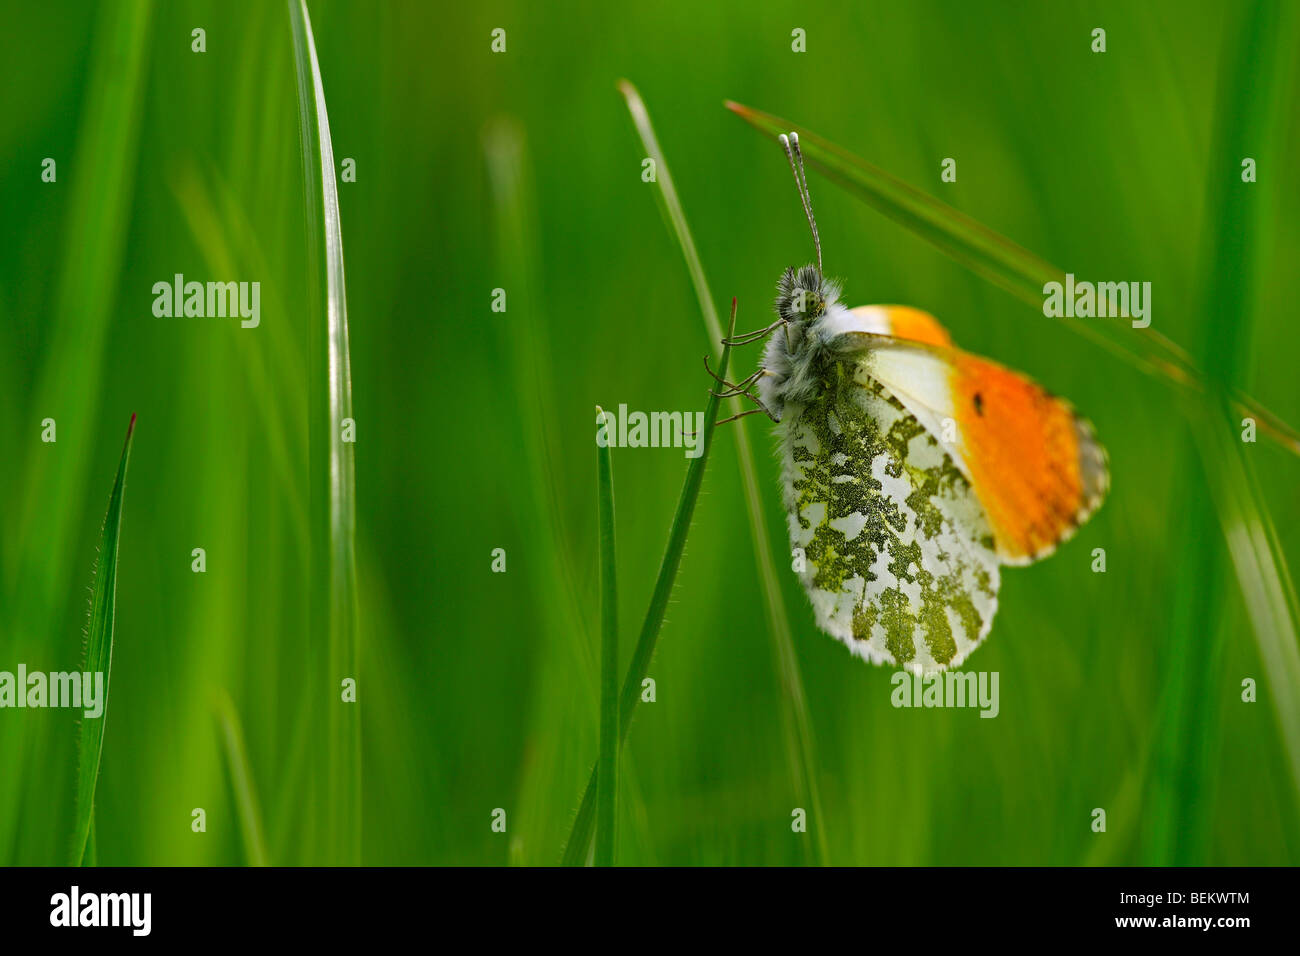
(804, 295)
(792, 361)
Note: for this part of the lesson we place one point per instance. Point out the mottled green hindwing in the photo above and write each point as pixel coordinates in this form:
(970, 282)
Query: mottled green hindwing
(898, 558)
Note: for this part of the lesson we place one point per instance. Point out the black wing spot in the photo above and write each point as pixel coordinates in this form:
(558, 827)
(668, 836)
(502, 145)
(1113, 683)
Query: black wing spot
(979, 404)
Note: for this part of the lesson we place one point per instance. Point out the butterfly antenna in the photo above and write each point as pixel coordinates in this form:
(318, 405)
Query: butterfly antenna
(795, 156)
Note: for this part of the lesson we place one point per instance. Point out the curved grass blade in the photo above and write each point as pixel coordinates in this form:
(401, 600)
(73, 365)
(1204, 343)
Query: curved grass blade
(1265, 581)
(607, 768)
(334, 512)
(575, 852)
(99, 658)
(999, 260)
(241, 779)
(1181, 801)
(796, 724)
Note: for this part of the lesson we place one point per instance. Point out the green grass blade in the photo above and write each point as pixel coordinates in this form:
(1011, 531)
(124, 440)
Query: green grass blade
(607, 776)
(91, 857)
(545, 786)
(1002, 262)
(96, 235)
(1266, 585)
(99, 656)
(575, 852)
(1181, 804)
(796, 723)
(37, 567)
(1250, 112)
(241, 779)
(334, 512)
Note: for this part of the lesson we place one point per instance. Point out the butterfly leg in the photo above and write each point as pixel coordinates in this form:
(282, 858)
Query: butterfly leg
(748, 337)
(752, 411)
(739, 388)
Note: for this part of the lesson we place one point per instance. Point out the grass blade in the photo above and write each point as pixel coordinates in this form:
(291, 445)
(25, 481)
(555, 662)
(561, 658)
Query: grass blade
(607, 776)
(36, 563)
(1266, 585)
(91, 857)
(99, 658)
(1002, 262)
(566, 653)
(575, 852)
(241, 779)
(1181, 804)
(334, 513)
(796, 723)
(1251, 109)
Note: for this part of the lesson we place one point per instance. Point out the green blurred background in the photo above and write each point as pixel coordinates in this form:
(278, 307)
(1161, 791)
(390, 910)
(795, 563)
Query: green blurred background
(522, 171)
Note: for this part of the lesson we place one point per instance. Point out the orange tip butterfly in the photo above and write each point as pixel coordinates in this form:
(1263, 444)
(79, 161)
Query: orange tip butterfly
(912, 471)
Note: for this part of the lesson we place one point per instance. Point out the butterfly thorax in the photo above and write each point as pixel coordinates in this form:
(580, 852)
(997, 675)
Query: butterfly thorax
(798, 359)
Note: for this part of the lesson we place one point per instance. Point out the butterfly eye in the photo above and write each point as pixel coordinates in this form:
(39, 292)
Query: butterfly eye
(802, 297)
(807, 304)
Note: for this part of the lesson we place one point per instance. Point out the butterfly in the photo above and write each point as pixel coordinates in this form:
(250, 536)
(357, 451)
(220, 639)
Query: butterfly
(912, 471)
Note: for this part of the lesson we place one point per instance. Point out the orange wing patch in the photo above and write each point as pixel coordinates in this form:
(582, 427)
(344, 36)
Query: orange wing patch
(1035, 465)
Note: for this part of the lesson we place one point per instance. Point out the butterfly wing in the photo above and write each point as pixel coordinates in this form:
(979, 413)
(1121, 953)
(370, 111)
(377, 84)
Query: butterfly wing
(896, 321)
(898, 558)
(1034, 464)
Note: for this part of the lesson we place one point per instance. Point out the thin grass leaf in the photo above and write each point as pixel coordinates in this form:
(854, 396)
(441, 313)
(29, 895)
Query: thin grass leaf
(334, 512)
(91, 857)
(99, 658)
(795, 721)
(1002, 262)
(529, 372)
(1186, 751)
(100, 210)
(241, 779)
(607, 767)
(575, 852)
(1250, 111)
(36, 567)
(1265, 582)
